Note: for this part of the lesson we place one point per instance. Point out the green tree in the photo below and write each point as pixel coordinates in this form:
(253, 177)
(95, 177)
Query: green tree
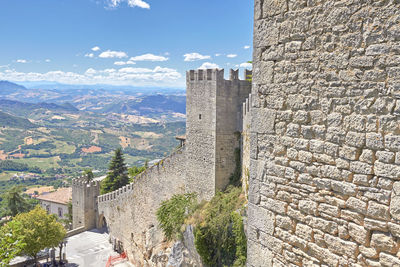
(11, 243)
(16, 203)
(88, 174)
(38, 230)
(135, 170)
(118, 174)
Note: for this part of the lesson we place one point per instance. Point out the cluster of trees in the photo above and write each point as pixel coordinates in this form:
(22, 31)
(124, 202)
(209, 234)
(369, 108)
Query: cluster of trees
(29, 233)
(9, 165)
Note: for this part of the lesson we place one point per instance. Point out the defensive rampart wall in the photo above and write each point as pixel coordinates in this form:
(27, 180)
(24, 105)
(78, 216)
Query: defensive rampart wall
(130, 212)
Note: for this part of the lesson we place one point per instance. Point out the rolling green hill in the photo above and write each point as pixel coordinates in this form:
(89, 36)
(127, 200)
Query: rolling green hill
(7, 120)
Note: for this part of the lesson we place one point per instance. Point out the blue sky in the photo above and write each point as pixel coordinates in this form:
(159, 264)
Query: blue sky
(121, 42)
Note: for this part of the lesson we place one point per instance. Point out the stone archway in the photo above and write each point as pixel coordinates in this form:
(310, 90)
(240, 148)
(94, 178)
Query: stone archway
(102, 224)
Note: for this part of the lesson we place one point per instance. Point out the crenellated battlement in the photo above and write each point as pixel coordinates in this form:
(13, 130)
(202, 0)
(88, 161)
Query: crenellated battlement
(202, 75)
(81, 182)
(147, 174)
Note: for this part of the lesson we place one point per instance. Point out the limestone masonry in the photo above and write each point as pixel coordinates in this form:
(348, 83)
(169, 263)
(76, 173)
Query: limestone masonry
(203, 165)
(325, 138)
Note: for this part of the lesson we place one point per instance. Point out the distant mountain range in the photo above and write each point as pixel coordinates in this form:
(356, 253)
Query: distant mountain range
(7, 87)
(155, 103)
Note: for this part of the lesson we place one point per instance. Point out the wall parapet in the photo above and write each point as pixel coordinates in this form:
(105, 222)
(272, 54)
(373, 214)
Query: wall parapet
(215, 75)
(156, 168)
(80, 182)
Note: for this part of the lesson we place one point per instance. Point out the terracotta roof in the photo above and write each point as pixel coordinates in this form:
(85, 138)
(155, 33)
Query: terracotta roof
(62, 196)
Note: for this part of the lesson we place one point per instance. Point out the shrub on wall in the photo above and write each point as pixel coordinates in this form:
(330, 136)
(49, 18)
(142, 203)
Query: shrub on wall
(172, 213)
(219, 237)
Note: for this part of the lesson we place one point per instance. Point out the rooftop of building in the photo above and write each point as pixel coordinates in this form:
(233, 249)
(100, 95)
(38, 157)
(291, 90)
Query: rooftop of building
(61, 196)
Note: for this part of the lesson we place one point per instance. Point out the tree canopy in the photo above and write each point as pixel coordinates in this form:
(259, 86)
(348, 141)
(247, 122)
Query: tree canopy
(37, 230)
(11, 244)
(88, 174)
(118, 174)
(16, 203)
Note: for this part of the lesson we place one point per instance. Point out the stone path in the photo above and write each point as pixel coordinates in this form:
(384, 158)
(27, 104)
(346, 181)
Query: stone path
(89, 249)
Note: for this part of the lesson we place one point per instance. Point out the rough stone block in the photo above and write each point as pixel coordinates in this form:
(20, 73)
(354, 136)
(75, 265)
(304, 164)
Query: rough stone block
(274, 7)
(323, 225)
(361, 167)
(341, 247)
(361, 61)
(388, 260)
(368, 252)
(308, 207)
(372, 224)
(358, 233)
(385, 156)
(395, 201)
(349, 153)
(258, 256)
(263, 121)
(323, 254)
(378, 211)
(383, 242)
(261, 218)
(387, 170)
(351, 216)
(344, 187)
(392, 142)
(284, 222)
(303, 231)
(329, 209)
(361, 179)
(356, 205)
(377, 49)
(355, 139)
(374, 141)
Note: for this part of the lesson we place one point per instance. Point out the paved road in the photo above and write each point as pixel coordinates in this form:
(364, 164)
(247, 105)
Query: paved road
(89, 249)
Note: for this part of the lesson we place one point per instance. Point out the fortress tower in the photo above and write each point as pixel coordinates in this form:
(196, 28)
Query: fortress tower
(213, 108)
(84, 203)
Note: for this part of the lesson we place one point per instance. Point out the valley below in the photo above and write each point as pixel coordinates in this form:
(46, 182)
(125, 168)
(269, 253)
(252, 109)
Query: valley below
(48, 132)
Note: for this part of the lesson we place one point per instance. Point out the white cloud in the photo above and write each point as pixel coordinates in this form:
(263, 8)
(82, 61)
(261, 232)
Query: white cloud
(231, 55)
(217, 55)
(122, 63)
(96, 48)
(113, 54)
(90, 71)
(246, 47)
(208, 65)
(159, 76)
(131, 3)
(22, 61)
(194, 57)
(148, 57)
(91, 55)
(246, 65)
(138, 3)
(47, 60)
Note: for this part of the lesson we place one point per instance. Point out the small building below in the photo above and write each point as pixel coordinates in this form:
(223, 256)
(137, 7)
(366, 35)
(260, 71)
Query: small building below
(57, 202)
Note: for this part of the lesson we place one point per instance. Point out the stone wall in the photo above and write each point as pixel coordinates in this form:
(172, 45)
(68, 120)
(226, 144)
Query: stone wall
(325, 154)
(130, 212)
(212, 111)
(245, 144)
(84, 204)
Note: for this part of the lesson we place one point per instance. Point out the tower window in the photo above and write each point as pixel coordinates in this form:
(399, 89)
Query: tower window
(199, 116)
